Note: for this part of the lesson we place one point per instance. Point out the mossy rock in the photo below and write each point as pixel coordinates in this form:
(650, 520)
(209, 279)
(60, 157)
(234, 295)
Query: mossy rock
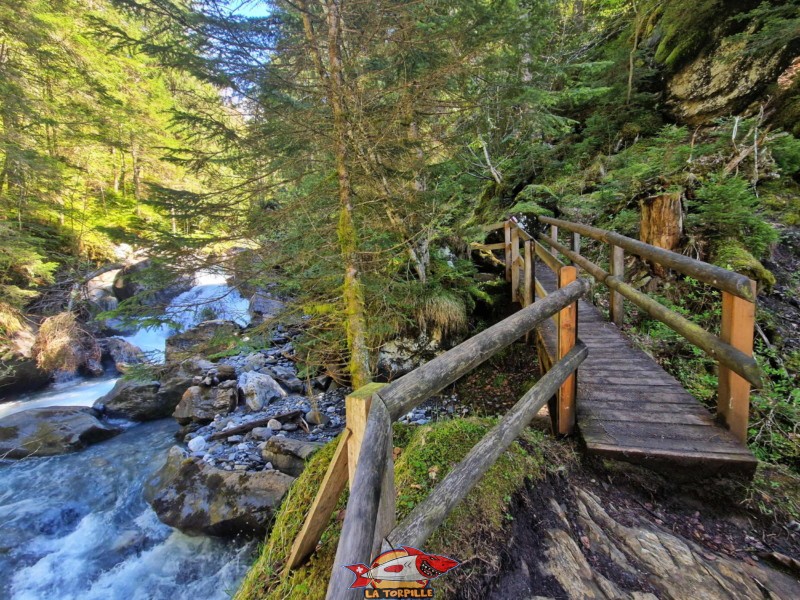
(428, 453)
(732, 255)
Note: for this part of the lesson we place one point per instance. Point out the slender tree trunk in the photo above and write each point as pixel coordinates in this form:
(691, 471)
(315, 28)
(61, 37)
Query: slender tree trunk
(137, 176)
(115, 169)
(333, 79)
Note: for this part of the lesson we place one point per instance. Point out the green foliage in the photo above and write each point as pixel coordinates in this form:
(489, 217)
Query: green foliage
(727, 208)
(730, 254)
(786, 151)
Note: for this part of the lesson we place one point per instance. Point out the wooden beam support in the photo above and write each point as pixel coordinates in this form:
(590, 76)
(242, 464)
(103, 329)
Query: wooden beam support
(554, 232)
(529, 272)
(514, 265)
(617, 261)
(733, 402)
(507, 232)
(319, 514)
(567, 335)
(576, 246)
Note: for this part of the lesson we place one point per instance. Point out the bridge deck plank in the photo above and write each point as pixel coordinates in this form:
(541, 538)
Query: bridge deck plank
(630, 408)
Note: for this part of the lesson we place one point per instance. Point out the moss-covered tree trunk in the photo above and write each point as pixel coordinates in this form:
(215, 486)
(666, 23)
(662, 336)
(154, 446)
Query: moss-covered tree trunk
(353, 295)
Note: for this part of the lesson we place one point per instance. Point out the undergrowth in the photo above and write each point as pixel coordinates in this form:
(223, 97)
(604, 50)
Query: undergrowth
(424, 456)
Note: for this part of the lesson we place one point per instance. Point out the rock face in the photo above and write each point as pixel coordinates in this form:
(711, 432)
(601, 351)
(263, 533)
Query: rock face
(177, 377)
(403, 355)
(201, 404)
(122, 353)
(51, 431)
(199, 499)
(135, 400)
(263, 306)
(200, 338)
(289, 455)
(100, 291)
(582, 547)
(259, 389)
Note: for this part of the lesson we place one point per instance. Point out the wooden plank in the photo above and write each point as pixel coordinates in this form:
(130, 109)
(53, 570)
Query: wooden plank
(567, 333)
(576, 246)
(650, 378)
(507, 258)
(594, 407)
(319, 514)
(617, 261)
(554, 232)
(431, 512)
(514, 265)
(657, 435)
(670, 417)
(357, 405)
(738, 322)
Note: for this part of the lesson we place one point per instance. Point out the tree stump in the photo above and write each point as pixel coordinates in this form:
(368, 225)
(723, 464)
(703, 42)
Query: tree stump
(661, 223)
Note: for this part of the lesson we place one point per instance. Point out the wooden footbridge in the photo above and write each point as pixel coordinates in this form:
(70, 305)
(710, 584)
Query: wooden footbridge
(616, 397)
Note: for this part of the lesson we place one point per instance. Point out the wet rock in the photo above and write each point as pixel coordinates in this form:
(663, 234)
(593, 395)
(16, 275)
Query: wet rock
(289, 455)
(51, 431)
(259, 389)
(274, 425)
(122, 353)
(177, 377)
(202, 404)
(135, 400)
(198, 498)
(208, 336)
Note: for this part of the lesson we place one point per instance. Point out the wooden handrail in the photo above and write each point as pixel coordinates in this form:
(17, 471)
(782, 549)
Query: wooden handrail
(722, 279)
(431, 512)
(407, 392)
(361, 531)
(727, 355)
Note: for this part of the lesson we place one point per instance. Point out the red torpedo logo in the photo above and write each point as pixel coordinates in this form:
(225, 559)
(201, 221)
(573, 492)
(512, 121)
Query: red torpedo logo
(404, 565)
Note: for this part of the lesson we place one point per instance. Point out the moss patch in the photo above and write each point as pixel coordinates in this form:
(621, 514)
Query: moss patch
(732, 255)
(426, 455)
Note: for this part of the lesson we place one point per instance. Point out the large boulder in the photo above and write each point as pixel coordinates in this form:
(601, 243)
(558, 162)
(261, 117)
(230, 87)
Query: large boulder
(203, 500)
(201, 404)
(207, 337)
(51, 431)
(139, 279)
(100, 291)
(121, 352)
(259, 389)
(264, 306)
(287, 377)
(289, 455)
(177, 377)
(404, 354)
(19, 372)
(135, 400)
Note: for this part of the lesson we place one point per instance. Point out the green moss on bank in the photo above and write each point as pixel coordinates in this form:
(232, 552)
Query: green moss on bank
(427, 454)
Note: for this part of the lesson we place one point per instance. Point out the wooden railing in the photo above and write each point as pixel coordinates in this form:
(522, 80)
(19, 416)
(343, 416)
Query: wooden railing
(365, 449)
(732, 349)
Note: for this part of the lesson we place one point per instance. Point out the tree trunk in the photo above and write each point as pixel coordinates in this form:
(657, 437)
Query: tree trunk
(348, 239)
(661, 223)
(137, 176)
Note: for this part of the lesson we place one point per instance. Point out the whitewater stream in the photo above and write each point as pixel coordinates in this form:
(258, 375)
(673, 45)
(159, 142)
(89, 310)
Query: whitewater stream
(76, 527)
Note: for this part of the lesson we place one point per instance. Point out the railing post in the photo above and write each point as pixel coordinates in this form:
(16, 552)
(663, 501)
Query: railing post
(576, 247)
(507, 232)
(529, 270)
(567, 334)
(554, 233)
(617, 260)
(514, 264)
(733, 393)
(357, 405)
